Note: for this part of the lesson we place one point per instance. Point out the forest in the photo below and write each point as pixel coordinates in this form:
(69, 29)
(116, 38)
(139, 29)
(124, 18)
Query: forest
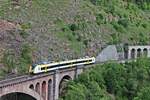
(112, 81)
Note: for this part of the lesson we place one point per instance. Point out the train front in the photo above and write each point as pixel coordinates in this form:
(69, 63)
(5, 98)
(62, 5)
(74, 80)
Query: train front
(32, 67)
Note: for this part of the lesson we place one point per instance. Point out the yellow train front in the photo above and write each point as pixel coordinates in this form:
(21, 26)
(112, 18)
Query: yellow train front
(40, 68)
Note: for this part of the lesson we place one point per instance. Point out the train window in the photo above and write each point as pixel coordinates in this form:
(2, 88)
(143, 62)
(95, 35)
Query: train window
(65, 64)
(34, 65)
(39, 68)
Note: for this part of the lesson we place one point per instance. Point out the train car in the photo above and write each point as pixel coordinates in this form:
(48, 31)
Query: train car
(40, 68)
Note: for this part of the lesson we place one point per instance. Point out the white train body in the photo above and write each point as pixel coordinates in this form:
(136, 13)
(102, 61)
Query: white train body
(40, 68)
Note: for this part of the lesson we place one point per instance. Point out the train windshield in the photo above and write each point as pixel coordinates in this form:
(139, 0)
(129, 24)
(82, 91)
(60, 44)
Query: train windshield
(39, 63)
(34, 65)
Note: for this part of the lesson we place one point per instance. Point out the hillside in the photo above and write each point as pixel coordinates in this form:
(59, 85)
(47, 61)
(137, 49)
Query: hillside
(64, 29)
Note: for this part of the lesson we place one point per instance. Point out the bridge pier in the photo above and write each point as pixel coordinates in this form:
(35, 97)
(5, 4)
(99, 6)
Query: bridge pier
(56, 85)
(79, 70)
(46, 86)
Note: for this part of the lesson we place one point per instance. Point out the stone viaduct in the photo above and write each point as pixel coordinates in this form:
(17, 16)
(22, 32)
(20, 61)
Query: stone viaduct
(138, 51)
(48, 86)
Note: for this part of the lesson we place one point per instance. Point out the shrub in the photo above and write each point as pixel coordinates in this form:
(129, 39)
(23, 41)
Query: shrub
(23, 33)
(118, 27)
(143, 94)
(73, 27)
(9, 60)
(25, 59)
(143, 38)
(100, 19)
(115, 38)
(123, 22)
(26, 53)
(25, 26)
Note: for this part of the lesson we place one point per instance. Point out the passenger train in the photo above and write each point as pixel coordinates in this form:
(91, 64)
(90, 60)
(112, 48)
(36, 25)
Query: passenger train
(40, 68)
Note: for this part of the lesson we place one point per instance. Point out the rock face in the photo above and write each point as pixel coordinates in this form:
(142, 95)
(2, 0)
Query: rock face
(9, 37)
(6, 26)
(109, 53)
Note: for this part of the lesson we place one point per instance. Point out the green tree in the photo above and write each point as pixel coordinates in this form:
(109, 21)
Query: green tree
(76, 92)
(143, 94)
(114, 78)
(112, 81)
(95, 92)
(9, 60)
(25, 59)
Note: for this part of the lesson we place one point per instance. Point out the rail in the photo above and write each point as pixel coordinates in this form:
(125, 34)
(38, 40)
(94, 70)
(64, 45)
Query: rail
(25, 78)
(20, 79)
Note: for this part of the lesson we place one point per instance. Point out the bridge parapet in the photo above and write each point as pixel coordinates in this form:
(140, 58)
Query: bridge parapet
(45, 86)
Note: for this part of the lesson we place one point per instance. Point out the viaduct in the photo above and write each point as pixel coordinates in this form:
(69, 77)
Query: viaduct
(49, 86)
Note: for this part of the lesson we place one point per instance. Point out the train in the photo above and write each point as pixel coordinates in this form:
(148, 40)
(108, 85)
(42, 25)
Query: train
(46, 66)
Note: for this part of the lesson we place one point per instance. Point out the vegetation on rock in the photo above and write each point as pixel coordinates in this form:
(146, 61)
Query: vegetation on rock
(67, 29)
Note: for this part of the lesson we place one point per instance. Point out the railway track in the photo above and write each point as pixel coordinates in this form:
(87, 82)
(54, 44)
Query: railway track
(23, 78)
(13, 79)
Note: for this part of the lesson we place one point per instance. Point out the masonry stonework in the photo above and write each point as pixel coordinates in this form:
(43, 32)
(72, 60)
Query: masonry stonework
(42, 88)
(137, 51)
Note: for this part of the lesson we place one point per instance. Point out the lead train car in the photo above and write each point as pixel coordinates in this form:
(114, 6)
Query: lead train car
(40, 68)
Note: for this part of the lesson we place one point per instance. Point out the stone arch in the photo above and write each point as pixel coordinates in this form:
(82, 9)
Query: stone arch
(126, 48)
(23, 91)
(49, 89)
(132, 53)
(63, 84)
(44, 90)
(139, 53)
(145, 52)
(31, 86)
(16, 96)
(37, 87)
